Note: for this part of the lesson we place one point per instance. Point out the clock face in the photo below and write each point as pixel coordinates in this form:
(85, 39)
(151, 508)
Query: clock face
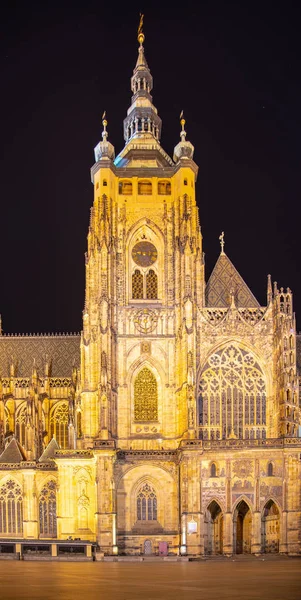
(144, 254)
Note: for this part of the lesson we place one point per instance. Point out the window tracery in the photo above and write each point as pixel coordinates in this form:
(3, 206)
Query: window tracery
(11, 508)
(232, 396)
(147, 504)
(47, 510)
(145, 396)
(59, 424)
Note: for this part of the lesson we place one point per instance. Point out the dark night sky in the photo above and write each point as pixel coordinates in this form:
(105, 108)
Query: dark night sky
(235, 70)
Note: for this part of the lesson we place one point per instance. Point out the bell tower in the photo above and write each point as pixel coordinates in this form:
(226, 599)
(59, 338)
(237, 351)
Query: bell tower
(144, 284)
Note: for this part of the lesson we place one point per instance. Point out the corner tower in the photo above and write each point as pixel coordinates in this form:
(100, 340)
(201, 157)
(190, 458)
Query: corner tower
(144, 284)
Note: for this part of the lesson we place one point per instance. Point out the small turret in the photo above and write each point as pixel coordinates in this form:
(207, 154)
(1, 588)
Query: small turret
(183, 149)
(104, 149)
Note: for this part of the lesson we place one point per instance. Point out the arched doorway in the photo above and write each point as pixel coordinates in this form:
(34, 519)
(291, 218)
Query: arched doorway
(242, 528)
(270, 528)
(214, 529)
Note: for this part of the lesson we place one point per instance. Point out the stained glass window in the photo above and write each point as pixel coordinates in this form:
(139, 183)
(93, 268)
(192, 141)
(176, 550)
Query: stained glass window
(47, 510)
(232, 396)
(59, 424)
(11, 505)
(146, 504)
(145, 396)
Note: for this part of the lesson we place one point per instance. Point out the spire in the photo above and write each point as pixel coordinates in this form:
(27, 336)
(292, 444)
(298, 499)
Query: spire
(183, 149)
(269, 290)
(142, 117)
(104, 149)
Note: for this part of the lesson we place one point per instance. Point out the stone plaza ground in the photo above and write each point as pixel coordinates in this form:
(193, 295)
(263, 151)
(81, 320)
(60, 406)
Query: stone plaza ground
(238, 578)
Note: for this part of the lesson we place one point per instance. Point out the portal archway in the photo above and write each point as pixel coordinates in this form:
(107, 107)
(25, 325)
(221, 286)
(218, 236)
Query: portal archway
(270, 528)
(242, 528)
(213, 529)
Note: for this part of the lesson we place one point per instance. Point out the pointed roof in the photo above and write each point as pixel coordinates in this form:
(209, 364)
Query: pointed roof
(13, 453)
(224, 281)
(49, 451)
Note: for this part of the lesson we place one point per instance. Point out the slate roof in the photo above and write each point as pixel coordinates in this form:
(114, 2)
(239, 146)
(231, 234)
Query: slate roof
(62, 351)
(13, 453)
(49, 451)
(223, 279)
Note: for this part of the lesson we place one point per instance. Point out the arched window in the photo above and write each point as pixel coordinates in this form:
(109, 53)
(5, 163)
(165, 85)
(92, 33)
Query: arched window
(47, 510)
(144, 188)
(11, 504)
(232, 396)
(145, 396)
(105, 183)
(137, 285)
(213, 470)
(151, 285)
(270, 469)
(59, 424)
(21, 424)
(185, 182)
(146, 504)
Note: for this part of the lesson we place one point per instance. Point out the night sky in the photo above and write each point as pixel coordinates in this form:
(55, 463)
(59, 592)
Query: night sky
(235, 70)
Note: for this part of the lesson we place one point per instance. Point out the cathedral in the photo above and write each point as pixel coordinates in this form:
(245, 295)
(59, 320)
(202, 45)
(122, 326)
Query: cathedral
(170, 425)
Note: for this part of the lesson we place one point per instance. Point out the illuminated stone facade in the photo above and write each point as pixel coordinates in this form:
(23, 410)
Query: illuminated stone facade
(171, 423)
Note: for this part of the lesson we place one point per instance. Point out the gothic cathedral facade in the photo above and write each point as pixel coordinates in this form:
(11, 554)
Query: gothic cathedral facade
(170, 425)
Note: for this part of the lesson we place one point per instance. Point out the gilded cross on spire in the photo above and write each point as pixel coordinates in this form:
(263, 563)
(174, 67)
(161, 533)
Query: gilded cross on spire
(222, 242)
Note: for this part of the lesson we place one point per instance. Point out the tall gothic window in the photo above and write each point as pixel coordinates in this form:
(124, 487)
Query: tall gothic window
(137, 285)
(47, 510)
(146, 504)
(59, 424)
(11, 513)
(232, 396)
(21, 424)
(145, 396)
(151, 285)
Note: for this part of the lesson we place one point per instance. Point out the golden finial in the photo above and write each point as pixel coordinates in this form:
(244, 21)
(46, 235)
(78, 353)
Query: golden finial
(222, 241)
(104, 123)
(141, 36)
(182, 120)
(103, 118)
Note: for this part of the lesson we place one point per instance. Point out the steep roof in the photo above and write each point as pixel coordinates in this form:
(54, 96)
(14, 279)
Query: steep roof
(62, 351)
(225, 279)
(13, 453)
(49, 451)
